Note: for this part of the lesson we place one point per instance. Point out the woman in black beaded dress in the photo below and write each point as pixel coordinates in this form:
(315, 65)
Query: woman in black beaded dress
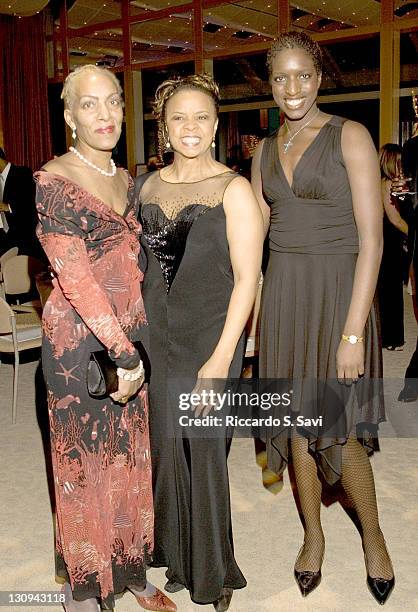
(202, 233)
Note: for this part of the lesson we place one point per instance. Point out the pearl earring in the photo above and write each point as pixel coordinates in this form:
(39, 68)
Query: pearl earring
(74, 134)
(167, 144)
(213, 145)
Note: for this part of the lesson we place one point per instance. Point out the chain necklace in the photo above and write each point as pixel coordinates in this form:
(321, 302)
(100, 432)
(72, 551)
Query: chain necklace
(89, 163)
(289, 143)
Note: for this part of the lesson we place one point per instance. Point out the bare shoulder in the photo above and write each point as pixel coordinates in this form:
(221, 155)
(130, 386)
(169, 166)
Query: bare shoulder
(59, 165)
(356, 142)
(238, 186)
(239, 195)
(354, 132)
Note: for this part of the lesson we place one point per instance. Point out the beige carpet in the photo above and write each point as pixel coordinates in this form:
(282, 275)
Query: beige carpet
(267, 530)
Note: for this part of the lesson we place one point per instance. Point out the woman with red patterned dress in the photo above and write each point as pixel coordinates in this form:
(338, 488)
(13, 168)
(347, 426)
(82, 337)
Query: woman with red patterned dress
(100, 447)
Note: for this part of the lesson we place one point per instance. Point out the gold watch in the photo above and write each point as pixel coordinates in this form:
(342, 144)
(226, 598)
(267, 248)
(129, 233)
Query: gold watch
(352, 338)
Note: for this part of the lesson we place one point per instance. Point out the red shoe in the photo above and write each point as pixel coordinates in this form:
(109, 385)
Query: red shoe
(157, 602)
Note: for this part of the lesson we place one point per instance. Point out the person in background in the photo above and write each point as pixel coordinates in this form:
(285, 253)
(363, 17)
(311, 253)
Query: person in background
(395, 232)
(17, 208)
(100, 446)
(409, 393)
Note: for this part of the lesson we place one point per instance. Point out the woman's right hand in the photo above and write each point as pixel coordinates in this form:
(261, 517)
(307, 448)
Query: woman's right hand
(126, 389)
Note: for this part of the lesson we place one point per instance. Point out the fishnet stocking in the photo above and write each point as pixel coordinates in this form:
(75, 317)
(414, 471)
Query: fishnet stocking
(309, 492)
(358, 482)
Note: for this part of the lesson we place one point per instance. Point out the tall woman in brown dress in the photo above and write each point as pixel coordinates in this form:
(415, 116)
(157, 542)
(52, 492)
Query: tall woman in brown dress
(317, 181)
(100, 447)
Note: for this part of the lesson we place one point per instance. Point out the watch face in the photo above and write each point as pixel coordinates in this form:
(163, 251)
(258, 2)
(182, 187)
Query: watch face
(352, 339)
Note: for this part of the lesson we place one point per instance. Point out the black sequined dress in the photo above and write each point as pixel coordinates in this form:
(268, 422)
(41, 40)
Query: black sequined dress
(186, 290)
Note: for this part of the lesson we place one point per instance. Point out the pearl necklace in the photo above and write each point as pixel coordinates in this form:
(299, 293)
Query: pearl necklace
(289, 143)
(89, 163)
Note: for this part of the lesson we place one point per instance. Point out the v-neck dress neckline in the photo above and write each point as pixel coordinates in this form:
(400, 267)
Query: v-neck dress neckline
(302, 158)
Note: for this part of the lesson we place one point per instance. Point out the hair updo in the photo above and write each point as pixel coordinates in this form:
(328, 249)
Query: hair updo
(295, 40)
(199, 82)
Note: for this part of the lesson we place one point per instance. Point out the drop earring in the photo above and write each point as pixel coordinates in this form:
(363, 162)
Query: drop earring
(74, 134)
(167, 144)
(213, 145)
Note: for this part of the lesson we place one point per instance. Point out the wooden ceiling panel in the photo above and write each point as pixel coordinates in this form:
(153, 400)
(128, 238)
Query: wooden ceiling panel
(256, 19)
(24, 8)
(87, 12)
(174, 32)
(350, 12)
(137, 6)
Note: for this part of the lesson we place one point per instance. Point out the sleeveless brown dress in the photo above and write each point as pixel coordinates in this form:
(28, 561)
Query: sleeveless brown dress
(313, 247)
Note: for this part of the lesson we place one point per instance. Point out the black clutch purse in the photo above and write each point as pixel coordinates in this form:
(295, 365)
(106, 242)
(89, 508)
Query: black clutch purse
(102, 379)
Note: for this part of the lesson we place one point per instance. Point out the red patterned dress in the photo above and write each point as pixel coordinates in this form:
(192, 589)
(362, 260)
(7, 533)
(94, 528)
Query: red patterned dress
(100, 449)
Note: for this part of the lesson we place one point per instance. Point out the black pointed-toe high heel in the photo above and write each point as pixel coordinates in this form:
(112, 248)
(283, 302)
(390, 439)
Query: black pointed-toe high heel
(307, 581)
(222, 604)
(380, 588)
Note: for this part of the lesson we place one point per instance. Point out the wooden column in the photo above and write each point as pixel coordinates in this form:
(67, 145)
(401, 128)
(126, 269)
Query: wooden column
(138, 110)
(283, 16)
(65, 58)
(389, 77)
(198, 35)
(396, 84)
(64, 39)
(128, 88)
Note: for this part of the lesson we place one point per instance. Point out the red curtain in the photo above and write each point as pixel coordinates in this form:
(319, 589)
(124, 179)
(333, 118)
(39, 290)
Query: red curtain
(23, 90)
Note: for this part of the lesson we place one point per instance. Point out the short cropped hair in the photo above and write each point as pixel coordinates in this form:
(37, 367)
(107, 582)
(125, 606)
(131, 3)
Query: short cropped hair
(296, 40)
(200, 82)
(67, 90)
(390, 159)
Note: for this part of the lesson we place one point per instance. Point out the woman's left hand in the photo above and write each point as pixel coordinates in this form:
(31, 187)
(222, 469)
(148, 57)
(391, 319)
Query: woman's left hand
(210, 379)
(350, 362)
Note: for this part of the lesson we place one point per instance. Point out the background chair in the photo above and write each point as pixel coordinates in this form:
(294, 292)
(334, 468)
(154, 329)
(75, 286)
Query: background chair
(19, 274)
(18, 333)
(3, 258)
